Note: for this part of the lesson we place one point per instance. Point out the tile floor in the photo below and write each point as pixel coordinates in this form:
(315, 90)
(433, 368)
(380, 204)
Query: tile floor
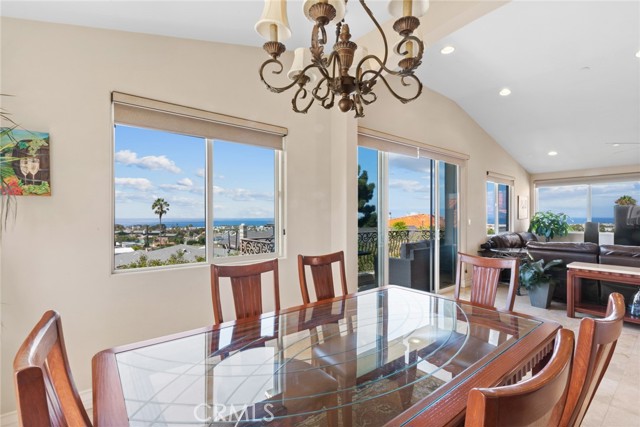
(617, 401)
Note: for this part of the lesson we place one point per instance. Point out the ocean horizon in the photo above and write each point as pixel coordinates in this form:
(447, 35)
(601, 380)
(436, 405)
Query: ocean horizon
(194, 222)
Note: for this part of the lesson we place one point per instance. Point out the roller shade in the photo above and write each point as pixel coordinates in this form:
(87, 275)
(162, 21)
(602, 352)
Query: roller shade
(500, 178)
(394, 144)
(144, 112)
(583, 180)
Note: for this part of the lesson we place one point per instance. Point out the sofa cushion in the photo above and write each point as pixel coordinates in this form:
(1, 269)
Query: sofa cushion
(586, 248)
(527, 237)
(621, 251)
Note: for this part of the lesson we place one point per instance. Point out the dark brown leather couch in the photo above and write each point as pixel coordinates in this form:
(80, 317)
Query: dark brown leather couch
(619, 255)
(508, 240)
(587, 252)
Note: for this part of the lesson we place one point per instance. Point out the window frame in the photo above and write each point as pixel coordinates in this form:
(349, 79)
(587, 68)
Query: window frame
(497, 180)
(235, 127)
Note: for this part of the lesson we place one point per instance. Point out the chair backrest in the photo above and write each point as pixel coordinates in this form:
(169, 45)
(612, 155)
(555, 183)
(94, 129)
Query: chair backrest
(592, 232)
(45, 391)
(246, 287)
(485, 276)
(538, 401)
(321, 270)
(597, 340)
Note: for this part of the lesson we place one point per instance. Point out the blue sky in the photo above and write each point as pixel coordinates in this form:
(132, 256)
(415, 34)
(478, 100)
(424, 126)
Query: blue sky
(150, 164)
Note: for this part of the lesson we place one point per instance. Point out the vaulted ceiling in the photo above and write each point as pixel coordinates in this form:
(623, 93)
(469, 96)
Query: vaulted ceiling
(572, 66)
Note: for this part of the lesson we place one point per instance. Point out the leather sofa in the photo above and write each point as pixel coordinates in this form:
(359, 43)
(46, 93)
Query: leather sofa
(508, 240)
(592, 290)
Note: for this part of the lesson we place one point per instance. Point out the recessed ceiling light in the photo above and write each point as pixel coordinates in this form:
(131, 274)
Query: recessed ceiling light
(552, 153)
(505, 92)
(638, 54)
(615, 145)
(447, 50)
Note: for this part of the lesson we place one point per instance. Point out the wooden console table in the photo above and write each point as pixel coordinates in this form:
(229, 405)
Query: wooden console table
(576, 271)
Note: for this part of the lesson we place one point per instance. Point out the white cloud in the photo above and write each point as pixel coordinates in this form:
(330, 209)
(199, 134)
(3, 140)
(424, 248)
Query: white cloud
(241, 194)
(129, 158)
(200, 173)
(142, 184)
(184, 184)
(407, 185)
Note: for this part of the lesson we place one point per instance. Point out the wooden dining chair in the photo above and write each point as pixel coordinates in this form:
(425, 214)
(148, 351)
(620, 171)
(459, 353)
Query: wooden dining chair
(484, 279)
(322, 273)
(597, 339)
(538, 401)
(246, 287)
(45, 391)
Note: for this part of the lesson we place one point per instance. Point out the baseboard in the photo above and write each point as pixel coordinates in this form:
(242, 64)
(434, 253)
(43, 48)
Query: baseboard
(10, 419)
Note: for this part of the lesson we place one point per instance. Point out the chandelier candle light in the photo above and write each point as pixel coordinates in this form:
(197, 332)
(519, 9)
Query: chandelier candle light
(347, 72)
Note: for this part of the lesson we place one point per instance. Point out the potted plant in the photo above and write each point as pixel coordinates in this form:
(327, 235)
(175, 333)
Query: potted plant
(625, 201)
(549, 224)
(535, 278)
(626, 218)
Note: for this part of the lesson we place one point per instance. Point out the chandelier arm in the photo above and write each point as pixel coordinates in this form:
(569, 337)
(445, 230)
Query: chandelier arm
(301, 93)
(401, 98)
(316, 90)
(384, 39)
(276, 71)
(414, 39)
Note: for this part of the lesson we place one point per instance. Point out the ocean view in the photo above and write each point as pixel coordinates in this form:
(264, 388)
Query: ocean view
(195, 222)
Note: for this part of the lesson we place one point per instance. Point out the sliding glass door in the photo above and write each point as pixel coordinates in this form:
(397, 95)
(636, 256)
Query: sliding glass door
(407, 220)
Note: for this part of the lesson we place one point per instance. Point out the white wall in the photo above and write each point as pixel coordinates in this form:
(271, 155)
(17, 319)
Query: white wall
(58, 252)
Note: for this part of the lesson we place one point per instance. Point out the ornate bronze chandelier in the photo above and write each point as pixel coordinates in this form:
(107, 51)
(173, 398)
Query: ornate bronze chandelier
(347, 72)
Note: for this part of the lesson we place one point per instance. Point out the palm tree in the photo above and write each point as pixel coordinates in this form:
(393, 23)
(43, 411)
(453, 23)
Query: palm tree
(160, 207)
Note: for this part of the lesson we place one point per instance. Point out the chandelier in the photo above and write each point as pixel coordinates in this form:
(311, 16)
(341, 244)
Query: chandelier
(348, 73)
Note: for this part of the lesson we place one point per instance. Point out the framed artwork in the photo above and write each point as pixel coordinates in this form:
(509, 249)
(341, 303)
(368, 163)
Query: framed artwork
(24, 162)
(523, 207)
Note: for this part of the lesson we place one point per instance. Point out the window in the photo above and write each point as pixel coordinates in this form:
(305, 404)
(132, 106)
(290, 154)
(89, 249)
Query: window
(189, 187)
(498, 207)
(408, 202)
(586, 201)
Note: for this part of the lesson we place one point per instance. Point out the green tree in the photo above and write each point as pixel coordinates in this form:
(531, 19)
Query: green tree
(160, 207)
(399, 226)
(368, 216)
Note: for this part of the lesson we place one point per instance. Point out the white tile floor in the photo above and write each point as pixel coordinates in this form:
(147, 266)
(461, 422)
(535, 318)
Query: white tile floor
(617, 401)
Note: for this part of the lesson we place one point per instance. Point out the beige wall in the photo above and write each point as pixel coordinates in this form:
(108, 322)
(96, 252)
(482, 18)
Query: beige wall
(58, 252)
(435, 120)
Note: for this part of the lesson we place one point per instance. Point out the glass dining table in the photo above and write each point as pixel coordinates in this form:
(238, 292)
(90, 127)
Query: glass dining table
(387, 356)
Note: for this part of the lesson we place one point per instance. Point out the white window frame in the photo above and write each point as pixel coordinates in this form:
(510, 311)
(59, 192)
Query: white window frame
(497, 178)
(131, 110)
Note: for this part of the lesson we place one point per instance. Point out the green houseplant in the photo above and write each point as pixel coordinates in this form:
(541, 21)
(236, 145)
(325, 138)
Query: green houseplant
(534, 276)
(625, 201)
(549, 224)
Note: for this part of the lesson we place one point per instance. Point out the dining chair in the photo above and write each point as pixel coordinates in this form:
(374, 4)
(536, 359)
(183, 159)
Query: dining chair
(538, 401)
(301, 380)
(484, 279)
(246, 286)
(45, 391)
(597, 339)
(322, 273)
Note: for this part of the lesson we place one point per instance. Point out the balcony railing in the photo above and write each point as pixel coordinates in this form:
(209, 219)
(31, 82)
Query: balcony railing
(368, 244)
(264, 245)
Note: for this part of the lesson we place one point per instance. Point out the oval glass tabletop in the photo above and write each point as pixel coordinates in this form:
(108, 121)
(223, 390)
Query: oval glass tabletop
(357, 361)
